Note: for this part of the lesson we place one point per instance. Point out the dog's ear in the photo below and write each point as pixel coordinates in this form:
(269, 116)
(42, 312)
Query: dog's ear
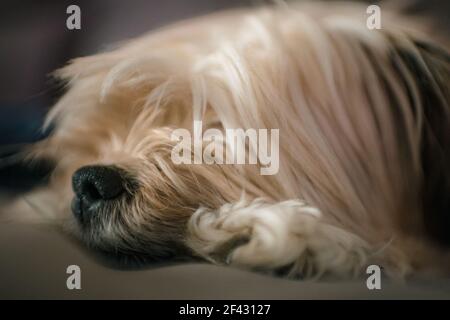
(430, 67)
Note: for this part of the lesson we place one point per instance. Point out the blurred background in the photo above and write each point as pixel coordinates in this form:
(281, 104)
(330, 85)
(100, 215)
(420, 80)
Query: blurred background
(34, 41)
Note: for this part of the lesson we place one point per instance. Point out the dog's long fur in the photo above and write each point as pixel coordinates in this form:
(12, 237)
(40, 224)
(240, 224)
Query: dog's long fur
(364, 142)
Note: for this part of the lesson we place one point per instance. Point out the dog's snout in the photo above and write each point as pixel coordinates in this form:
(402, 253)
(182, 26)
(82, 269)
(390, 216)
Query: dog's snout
(94, 183)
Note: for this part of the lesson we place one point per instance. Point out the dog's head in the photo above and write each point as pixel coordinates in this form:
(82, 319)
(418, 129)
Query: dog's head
(349, 103)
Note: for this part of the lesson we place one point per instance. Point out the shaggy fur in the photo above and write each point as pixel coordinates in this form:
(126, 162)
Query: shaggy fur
(364, 143)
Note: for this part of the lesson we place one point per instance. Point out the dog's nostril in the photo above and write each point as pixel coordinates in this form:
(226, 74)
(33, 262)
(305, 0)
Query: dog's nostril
(90, 190)
(93, 183)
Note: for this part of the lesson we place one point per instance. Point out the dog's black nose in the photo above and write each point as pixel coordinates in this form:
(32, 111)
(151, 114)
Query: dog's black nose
(94, 183)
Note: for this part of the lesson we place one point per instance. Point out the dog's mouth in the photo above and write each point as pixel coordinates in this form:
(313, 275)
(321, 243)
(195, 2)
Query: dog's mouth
(84, 212)
(77, 209)
(115, 244)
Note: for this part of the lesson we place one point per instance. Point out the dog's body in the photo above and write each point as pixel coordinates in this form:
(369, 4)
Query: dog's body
(363, 118)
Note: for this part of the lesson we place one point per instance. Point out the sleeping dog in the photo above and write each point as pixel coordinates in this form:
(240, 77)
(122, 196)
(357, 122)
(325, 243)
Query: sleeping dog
(363, 153)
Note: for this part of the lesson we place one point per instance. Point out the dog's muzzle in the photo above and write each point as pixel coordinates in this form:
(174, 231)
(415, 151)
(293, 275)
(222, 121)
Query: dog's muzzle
(94, 187)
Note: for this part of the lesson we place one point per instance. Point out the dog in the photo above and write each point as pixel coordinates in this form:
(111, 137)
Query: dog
(364, 144)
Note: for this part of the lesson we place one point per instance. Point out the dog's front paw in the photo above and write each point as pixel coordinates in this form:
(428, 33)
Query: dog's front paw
(287, 236)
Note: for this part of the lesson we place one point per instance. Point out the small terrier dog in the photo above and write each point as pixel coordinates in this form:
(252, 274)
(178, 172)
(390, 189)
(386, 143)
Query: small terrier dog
(364, 144)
